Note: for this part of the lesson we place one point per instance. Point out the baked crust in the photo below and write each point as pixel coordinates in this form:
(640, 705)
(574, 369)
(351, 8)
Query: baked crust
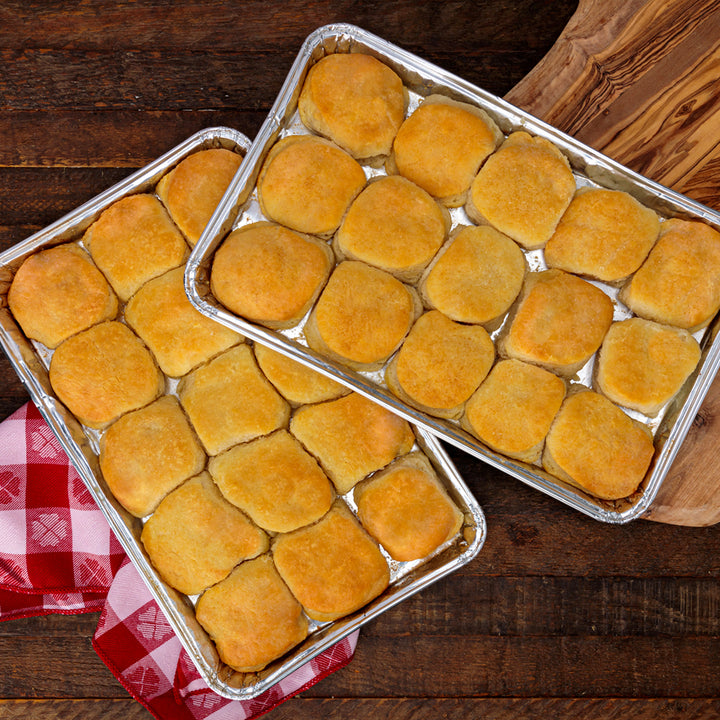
(195, 537)
(269, 274)
(58, 292)
(332, 567)
(523, 189)
(194, 187)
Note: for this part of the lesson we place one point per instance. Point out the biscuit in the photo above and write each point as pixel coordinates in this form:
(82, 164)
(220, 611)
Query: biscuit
(354, 100)
(275, 481)
(642, 364)
(351, 437)
(58, 292)
(179, 336)
(595, 446)
(406, 509)
(512, 410)
(332, 567)
(522, 189)
(393, 225)
(604, 234)
(251, 616)
(475, 277)
(230, 401)
(296, 382)
(133, 241)
(362, 316)
(269, 274)
(103, 372)
(441, 145)
(194, 187)
(149, 452)
(440, 364)
(307, 184)
(195, 537)
(560, 321)
(679, 282)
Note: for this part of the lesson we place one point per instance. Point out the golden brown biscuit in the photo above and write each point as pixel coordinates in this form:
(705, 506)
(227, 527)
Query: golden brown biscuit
(251, 616)
(559, 323)
(307, 184)
(275, 481)
(195, 537)
(58, 292)
(356, 101)
(595, 446)
(407, 510)
(194, 187)
(604, 234)
(296, 382)
(351, 437)
(103, 372)
(642, 364)
(133, 241)
(523, 189)
(362, 316)
(332, 567)
(149, 452)
(440, 364)
(269, 274)
(230, 401)
(679, 282)
(475, 277)
(512, 411)
(179, 336)
(441, 146)
(393, 225)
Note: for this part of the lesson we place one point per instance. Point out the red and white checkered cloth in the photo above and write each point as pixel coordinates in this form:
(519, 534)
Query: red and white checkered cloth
(58, 555)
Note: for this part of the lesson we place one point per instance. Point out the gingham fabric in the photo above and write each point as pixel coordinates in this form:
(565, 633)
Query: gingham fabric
(58, 555)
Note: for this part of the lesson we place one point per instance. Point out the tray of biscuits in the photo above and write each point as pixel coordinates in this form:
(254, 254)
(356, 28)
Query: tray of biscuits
(270, 510)
(471, 268)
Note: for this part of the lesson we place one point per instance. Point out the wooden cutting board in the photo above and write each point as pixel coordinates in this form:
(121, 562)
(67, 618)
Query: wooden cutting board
(639, 80)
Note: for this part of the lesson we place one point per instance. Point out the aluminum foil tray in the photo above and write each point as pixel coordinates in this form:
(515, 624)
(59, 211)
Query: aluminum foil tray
(240, 206)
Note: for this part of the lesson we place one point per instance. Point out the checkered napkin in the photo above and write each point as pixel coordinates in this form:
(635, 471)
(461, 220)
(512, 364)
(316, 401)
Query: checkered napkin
(58, 555)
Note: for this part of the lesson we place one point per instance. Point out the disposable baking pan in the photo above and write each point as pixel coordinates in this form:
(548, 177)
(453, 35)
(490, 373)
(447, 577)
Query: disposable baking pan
(240, 206)
(31, 361)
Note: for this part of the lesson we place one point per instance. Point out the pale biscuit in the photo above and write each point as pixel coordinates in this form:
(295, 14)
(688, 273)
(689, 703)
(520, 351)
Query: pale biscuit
(604, 234)
(179, 336)
(133, 241)
(230, 401)
(407, 510)
(332, 567)
(523, 189)
(194, 187)
(251, 616)
(642, 365)
(356, 101)
(149, 452)
(103, 372)
(393, 225)
(59, 291)
(441, 145)
(440, 364)
(679, 282)
(351, 437)
(307, 184)
(362, 316)
(195, 537)
(270, 275)
(275, 481)
(512, 410)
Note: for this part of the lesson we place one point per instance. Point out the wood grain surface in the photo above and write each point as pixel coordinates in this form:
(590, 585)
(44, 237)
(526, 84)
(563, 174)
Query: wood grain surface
(559, 616)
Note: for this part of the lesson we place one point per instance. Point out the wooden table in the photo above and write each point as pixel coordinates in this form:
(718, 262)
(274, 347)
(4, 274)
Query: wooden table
(560, 616)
